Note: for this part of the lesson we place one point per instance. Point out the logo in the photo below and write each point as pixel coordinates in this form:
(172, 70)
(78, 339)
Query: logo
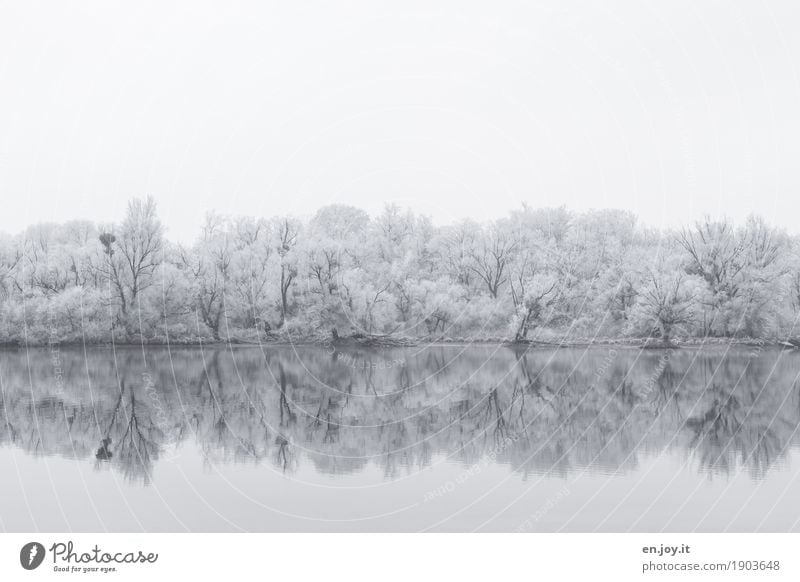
(31, 555)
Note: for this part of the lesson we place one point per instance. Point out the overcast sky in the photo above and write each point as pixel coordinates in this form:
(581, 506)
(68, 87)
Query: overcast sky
(456, 109)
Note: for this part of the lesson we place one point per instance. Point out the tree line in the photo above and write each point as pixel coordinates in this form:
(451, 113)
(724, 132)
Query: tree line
(536, 274)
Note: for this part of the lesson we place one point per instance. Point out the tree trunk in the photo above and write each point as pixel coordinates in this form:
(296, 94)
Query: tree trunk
(666, 332)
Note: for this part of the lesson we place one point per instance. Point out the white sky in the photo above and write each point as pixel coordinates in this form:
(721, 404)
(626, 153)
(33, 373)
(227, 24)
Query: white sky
(456, 109)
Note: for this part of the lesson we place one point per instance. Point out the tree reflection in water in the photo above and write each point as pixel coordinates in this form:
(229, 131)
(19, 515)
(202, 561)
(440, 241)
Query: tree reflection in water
(536, 412)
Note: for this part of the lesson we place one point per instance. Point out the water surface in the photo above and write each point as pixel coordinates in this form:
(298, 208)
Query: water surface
(443, 438)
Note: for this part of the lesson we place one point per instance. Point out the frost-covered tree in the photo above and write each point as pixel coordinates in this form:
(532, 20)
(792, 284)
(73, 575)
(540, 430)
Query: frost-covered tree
(286, 231)
(491, 257)
(132, 253)
(561, 273)
(666, 302)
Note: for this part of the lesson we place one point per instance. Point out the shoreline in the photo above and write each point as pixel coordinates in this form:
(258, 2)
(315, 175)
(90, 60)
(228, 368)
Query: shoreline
(398, 342)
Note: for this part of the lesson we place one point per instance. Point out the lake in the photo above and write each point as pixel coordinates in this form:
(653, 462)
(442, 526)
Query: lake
(434, 438)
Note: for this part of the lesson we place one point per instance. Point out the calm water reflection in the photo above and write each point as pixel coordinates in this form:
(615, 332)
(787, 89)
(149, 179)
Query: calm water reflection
(443, 438)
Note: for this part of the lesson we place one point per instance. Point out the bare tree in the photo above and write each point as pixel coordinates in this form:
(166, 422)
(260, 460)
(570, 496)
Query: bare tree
(457, 246)
(287, 232)
(491, 257)
(10, 258)
(134, 252)
(717, 255)
(667, 303)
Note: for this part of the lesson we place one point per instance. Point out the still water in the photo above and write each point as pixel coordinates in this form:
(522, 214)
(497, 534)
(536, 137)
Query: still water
(442, 438)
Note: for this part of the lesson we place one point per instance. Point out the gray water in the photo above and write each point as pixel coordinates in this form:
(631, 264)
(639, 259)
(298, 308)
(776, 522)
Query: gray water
(441, 438)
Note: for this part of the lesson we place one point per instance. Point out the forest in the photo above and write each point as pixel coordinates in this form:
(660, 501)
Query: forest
(538, 274)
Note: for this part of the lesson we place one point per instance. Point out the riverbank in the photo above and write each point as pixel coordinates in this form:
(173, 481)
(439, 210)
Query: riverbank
(384, 342)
